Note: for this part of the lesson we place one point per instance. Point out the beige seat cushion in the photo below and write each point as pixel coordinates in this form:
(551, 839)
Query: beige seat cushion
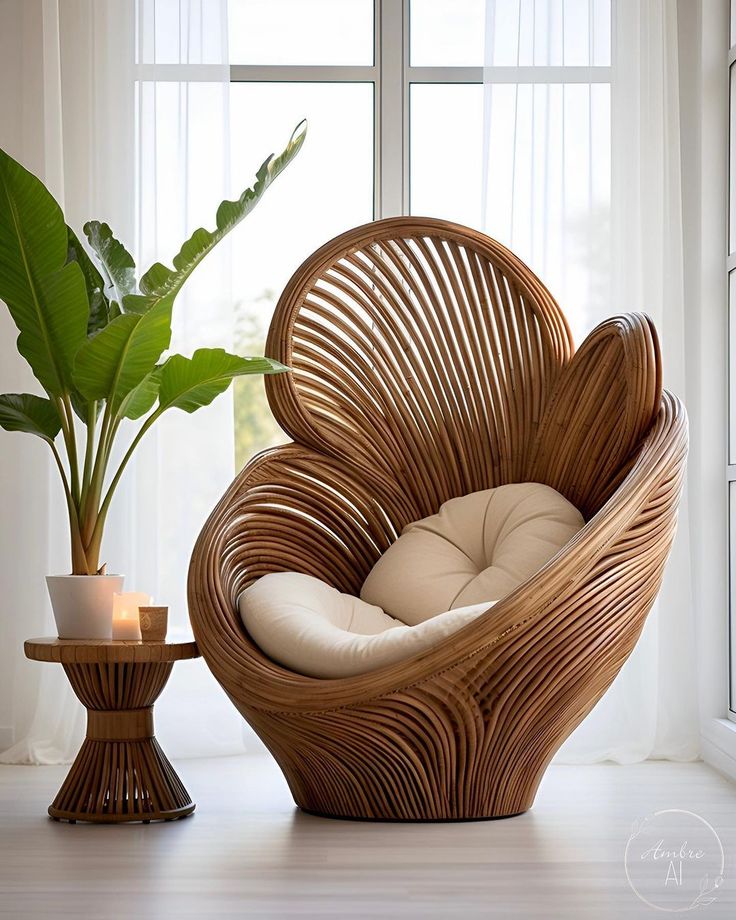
(442, 573)
(477, 547)
(313, 629)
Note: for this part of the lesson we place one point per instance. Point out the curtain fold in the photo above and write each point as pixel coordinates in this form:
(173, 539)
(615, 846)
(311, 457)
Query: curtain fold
(72, 126)
(123, 110)
(583, 182)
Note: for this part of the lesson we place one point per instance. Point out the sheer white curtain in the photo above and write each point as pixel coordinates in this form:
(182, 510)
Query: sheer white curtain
(123, 109)
(583, 181)
(70, 121)
(121, 106)
(183, 154)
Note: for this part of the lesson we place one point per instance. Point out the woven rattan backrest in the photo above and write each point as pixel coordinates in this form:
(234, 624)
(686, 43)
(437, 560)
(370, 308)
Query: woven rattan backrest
(421, 351)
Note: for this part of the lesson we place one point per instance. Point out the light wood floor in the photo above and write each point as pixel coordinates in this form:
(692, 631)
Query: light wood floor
(247, 852)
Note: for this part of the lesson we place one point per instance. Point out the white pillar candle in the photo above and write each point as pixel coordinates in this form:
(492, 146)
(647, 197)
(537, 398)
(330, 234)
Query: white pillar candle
(126, 622)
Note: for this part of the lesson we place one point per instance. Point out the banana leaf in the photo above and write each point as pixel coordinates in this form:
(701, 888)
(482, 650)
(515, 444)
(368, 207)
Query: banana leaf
(190, 383)
(46, 295)
(31, 414)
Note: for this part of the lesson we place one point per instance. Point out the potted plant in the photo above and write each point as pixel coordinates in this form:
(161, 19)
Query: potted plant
(94, 338)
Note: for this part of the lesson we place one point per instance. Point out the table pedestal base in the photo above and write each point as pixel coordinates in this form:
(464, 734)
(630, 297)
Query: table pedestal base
(113, 781)
(120, 773)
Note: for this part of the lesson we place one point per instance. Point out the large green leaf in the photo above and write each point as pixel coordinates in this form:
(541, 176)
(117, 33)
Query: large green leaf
(99, 305)
(115, 361)
(101, 310)
(160, 281)
(32, 414)
(116, 261)
(46, 296)
(142, 398)
(190, 383)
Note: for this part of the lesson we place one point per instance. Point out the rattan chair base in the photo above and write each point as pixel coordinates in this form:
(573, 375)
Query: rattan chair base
(389, 820)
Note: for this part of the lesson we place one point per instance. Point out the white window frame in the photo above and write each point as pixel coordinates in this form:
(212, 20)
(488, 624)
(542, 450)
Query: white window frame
(731, 467)
(392, 76)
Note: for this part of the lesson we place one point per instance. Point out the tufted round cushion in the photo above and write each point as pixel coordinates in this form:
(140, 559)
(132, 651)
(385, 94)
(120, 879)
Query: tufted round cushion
(312, 628)
(477, 547)
(441, 573)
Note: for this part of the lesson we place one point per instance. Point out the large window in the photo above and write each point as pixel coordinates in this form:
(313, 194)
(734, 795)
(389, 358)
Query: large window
(494, 114)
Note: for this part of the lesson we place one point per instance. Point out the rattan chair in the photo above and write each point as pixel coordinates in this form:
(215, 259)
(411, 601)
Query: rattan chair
(429, 362)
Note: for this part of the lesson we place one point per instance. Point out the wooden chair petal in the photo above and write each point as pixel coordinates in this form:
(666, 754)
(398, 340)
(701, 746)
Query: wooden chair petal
(604, 403)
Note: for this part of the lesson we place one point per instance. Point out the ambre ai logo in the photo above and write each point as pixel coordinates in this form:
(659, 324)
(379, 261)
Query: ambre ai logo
(674, 861)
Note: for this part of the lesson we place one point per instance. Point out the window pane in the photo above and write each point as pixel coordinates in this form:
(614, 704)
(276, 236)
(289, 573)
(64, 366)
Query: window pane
(548, 189)
(446, 33)
(326, 190)
(172, 32)
(541, 170)
(301, 32)
(446, 147)
(575, 33)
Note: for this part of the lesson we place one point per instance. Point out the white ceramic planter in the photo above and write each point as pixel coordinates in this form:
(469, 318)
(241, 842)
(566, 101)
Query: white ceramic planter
(82, 604)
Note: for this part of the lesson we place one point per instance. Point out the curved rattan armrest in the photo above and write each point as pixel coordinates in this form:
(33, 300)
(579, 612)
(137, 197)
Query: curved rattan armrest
(293, 508)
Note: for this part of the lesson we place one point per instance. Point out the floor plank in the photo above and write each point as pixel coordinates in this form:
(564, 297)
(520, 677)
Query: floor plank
(248, 852)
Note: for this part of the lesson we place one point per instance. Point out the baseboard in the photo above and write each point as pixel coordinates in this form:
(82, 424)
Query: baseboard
(718, 746)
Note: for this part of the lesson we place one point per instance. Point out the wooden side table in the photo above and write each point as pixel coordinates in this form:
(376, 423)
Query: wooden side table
(120, 773)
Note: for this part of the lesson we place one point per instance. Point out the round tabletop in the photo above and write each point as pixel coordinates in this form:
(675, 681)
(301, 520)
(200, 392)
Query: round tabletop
(113, 651)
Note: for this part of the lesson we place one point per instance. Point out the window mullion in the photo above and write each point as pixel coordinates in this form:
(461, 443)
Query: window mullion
(390, 88)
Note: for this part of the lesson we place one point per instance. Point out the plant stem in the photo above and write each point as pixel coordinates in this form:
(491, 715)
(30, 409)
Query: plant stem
(61, 411)
(80, 565)
(96, 539)
(56, 400)
(63, 407)
(72, 448)
(62, 472)
(97, 477)
(88, 503)
(89, 452)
